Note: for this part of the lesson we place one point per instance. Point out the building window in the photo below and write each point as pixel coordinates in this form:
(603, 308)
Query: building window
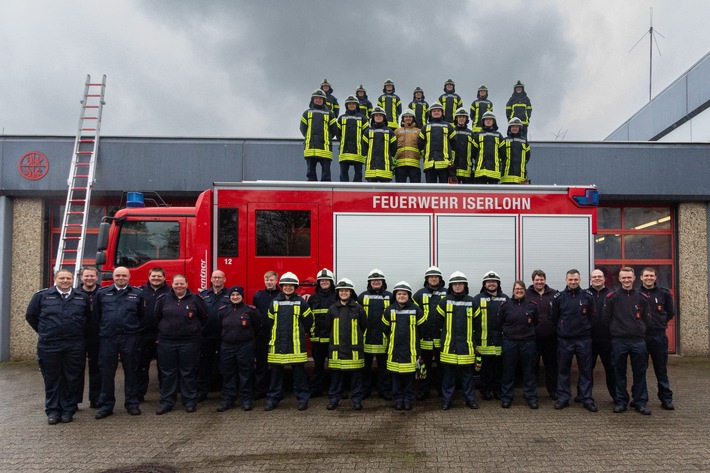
(143, 241)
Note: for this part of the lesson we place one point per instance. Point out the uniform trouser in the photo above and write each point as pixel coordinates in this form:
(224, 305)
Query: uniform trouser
(491, 373)
(320, 354)
(602, 349)
(147, 350)
(384, 380)
(261, 368)
(92, 355)
(208, 367)
(177, 361)
(448, 382)
(424, 384)
(621, 349)
(485, 180)
(437, 175)
(345, 171)
(109, 351)
(523, 353)
(324, 169)
(236, 361)
(582, 349)
(403, 387)
(657, 346)
(402, 173)
(61, 363)
(547, 350)
(300, 383)
(336, 385)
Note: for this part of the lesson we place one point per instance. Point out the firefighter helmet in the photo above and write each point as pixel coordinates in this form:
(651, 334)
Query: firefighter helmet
(376, 274)
(461, 112)
(288, 278)
(318, 93)
(515, 121)
(449, 82)
(345, 283)
(418, 89)
(325, 273)
(519, 84)
(402, 286)
(488, 114)
(432, 271)
(491, 276)
(436, 106)
(482, 87)
(389, 82)
(458, 276)
(379, 110)
(408, 113)
(360, 89)
(352, 99)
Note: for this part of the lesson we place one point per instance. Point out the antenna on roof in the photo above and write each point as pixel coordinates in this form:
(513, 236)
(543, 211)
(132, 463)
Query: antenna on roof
(560, 135)
(651, 39)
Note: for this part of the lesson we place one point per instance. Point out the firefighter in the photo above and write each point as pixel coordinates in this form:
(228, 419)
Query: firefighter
(435, 143)
(545, 330)
(89, 286)
(239, 323)
(147, 346)
(455, 323)
(262, 301)
(348, 322)
(215, 296)
(60, 316)
(487, 143)
(375, 301)
(660, 308)
(572, 312)
(320, 302)
(365, 106)
(380, 147)
(352, 125)
(462, 150)
(181, 315)
(408, 157)
(519, 106)
(330, 99)
(390, 103)
(518, 318)
(450, 100)
(290, 319)
(428, 298)
(516, 155)
(419, 106)
(401, 323)
(489, 338)
(318, 126)
(481, 105)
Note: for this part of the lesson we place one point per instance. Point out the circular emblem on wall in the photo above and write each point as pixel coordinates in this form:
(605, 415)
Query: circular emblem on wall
(33, 165)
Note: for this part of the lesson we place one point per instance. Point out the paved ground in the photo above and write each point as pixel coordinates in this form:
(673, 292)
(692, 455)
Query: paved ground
(375, 439)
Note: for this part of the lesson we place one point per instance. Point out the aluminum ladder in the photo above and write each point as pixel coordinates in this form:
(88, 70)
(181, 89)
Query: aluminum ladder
(81, 179)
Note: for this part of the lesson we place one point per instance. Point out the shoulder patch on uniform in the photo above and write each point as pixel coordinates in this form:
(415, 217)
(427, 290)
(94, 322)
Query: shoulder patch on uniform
(611, 293)
(557, 295)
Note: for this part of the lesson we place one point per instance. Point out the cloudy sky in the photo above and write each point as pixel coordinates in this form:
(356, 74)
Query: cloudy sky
(228, 68)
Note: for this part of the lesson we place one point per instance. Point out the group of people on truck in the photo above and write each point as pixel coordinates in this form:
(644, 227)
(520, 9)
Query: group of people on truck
(399, 344)
(450, 143)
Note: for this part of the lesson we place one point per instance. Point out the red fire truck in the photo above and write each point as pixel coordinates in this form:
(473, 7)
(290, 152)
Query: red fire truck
(248, 228)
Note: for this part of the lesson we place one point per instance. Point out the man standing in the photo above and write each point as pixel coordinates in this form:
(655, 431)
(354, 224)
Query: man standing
(519, 106)
(375, 301)
(89, 286)
(572, 312)
(365, 104)
(436, 143)
(660, 312)
(626, 313)
(480, 106)
(351, 127)
(321, 300)
(119, 310)
(262, 301)
(330, 98)
(419, 106)
(450, 100)
(390, 103)
(545, 331)
(428, 298)
(407, 159)
(149, 334)
(207, 372)
(60, 315)
(318, 125)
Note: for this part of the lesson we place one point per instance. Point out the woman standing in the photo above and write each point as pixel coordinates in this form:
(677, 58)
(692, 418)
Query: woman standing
(518, 318)
(180, 315)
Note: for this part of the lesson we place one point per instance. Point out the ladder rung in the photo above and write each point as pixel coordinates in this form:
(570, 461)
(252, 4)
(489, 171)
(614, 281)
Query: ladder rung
(74, 225)
(72, 237)
(86, 141)
(88, 129)
(69, 251)
(77, 200)
(93, 95)
(84, 152)
(80, 188)
(94, 85)
(75, 213)
(91, 106)
(82, 164)
(81, 176)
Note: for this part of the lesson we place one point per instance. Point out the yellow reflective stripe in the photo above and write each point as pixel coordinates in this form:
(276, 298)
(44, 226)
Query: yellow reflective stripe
(295, 331)
(413, 338)
(336, 332)
(484, 323)
(354, 335)
(469, 330)
(449, 323)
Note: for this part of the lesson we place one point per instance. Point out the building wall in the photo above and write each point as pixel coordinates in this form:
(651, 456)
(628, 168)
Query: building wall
(693, 276)
(28, 239)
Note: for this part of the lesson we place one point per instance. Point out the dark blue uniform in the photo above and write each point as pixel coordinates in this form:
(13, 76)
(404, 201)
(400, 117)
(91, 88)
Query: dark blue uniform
(601, 339)
(118, 314)
(180, 322)
(208, 369)
(147, 339)
(660, 312)
(545, 336)
(262, 301)
(60, 324)
(573, 311)
(92, 355)
(319, 303)
(518, 318)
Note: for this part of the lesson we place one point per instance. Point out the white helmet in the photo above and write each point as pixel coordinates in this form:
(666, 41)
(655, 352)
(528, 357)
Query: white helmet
(457, 276)
(375, 274)
(432, 271)
(325, 273)
(491, 276)
(288, 278)
(402, 286)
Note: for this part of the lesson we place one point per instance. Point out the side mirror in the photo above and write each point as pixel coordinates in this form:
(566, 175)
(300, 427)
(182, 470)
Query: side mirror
(102, 242)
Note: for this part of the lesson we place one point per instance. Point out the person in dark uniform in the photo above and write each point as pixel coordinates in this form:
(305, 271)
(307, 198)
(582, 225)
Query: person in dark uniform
(365, 104)
(351, 127)
(348, 322)
(454, 324)
(481, 105)
(89, 276)
(380, 148)
(419, 106)
(181, 315)
(375, 301)
(660, 312)
(463, 149)
(208, 369)
(290, 319)
(626, 313)
(147, 346)
(60, 316)
(573, 312)
(330, 99)
(262, 301)
(119, 310)
(428, 298)
(516, 155)
(401, 323)
(436, 145)
(519, 106)
(518, 318)
(545, 331)
(450, 100)
(318, 126)
(239, 324)
(320, 302)
(390, 103)
(488, 143)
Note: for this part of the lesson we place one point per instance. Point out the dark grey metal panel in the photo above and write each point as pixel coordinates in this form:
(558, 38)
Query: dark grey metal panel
(698, 90)
(5, 275)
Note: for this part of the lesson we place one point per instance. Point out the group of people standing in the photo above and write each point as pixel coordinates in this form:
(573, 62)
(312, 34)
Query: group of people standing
(451, 144)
